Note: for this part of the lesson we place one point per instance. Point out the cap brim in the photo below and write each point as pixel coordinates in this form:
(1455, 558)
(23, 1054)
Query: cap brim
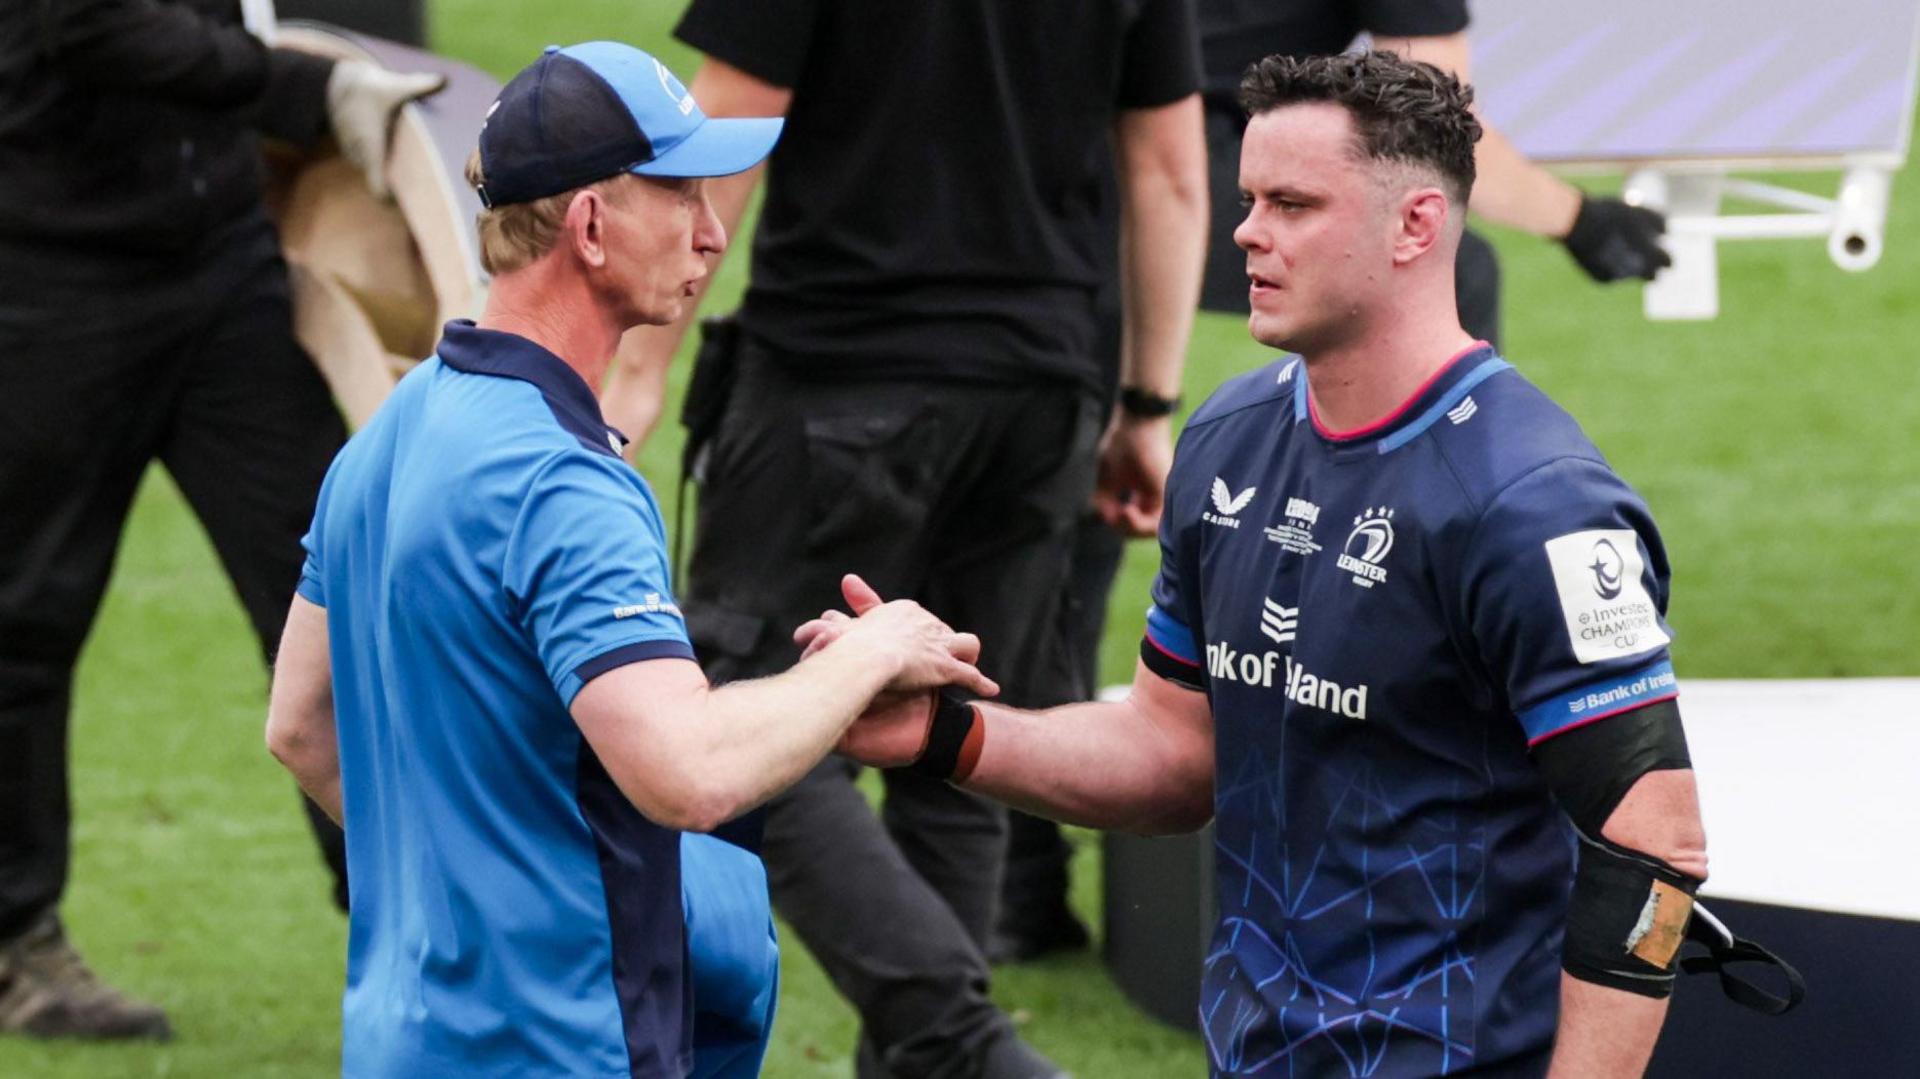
(718, 147)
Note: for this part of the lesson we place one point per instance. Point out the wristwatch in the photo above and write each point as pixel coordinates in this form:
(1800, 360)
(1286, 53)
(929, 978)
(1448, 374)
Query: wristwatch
(1145, 404)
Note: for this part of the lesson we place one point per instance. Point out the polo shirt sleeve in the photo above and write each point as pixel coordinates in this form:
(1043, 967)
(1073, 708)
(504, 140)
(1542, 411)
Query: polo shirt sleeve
(767, 39)
(1413, 18)
(586, 574)
(1564, 594)
(312, 586)
(1173, 648)
(1162, 61)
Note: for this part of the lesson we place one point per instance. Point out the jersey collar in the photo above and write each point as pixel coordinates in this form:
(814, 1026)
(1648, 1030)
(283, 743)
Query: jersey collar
(467, 347)
(1443, 391)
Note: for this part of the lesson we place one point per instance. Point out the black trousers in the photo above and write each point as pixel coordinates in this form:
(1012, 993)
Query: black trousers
(962, 496)
(1038, 856)
(194, 365)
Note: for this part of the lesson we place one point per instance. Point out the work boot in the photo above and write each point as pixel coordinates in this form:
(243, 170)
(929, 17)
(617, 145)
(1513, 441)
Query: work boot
(47, 991)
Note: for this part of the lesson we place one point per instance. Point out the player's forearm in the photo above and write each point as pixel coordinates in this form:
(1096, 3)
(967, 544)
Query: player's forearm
(1163, 234)
(1604, 1032)
(1513, 191)
(1102, 764)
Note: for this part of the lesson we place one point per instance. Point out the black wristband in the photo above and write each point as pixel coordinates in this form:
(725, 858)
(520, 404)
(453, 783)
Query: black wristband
(953, 720)
(1135, 401)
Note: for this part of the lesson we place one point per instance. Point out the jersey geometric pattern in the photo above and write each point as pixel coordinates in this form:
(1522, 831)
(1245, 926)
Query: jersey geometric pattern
(1383, 621)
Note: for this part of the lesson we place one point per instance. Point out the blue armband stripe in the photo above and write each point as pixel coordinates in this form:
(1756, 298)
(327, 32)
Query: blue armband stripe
(1169, 636)
(1598, 700)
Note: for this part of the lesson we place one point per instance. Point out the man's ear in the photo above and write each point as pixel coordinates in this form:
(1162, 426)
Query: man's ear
(1423, 217)
(585, 227)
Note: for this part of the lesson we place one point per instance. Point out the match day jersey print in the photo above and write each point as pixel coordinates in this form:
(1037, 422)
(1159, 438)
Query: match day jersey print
(1384, 620)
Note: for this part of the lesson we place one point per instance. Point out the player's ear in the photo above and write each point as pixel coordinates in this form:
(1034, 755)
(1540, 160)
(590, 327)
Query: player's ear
(1422, 221)
(584, 229)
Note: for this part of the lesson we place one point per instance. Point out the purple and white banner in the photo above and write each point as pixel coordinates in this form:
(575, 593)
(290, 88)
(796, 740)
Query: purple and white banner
(1714, 79)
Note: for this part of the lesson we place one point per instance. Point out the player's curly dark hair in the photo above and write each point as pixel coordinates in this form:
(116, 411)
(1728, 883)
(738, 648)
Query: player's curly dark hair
(1403, 110)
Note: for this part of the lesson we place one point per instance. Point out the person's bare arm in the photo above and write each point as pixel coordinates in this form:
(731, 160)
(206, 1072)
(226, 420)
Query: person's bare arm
(1510, 190)
(1161, 158)
(691, 756)
(300, 731)
(637, 383)
(1143, 764)
(1610, 1032)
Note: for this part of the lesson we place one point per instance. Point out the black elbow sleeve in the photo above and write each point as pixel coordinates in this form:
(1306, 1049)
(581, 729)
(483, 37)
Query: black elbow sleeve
(1591, 768)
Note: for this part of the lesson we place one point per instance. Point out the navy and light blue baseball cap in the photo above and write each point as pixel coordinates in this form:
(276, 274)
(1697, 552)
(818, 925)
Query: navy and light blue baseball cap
(586, 112)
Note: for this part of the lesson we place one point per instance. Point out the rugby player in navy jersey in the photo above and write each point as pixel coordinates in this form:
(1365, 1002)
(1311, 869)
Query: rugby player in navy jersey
(1406, 648)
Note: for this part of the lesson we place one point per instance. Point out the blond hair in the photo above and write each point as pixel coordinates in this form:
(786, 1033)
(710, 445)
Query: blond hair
(513, 236)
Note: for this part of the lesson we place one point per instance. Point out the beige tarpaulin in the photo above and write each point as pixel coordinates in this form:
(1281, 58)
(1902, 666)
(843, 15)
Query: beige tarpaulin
(374, 281)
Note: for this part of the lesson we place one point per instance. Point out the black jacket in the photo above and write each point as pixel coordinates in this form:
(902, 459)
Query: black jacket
(130, 127)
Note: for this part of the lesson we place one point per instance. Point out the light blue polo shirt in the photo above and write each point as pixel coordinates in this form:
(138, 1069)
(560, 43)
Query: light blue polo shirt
(482, 552)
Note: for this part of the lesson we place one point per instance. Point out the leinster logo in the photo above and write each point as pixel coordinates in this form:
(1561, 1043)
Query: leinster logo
(1607, 569)
(1228, 504)
(1367, 546)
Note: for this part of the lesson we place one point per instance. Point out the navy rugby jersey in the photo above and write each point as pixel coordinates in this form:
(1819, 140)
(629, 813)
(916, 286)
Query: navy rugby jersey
(1384, 620)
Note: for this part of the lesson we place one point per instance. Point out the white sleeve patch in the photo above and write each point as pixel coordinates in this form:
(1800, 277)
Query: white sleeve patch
(1609, 613)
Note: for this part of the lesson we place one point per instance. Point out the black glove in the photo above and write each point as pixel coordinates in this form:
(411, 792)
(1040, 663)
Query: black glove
(1612, 240)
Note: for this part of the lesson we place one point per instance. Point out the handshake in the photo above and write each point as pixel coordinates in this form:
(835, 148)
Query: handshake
(924, 655)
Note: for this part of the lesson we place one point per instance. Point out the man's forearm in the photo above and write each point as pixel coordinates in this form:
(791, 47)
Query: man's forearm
(1102, 764)
(325, 792)
(1163, 228)
(691, 756)
(1514, 192)
(1604, 1032)
(764, 734)
(307, 750)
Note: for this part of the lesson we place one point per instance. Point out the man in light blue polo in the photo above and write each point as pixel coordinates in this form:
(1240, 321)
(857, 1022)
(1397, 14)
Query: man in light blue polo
(485, 675)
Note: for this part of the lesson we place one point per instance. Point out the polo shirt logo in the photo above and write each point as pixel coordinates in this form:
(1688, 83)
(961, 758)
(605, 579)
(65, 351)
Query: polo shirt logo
(654, 605)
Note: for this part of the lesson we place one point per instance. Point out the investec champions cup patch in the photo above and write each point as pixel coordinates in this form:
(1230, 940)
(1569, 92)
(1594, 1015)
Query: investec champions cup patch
(1609, 613)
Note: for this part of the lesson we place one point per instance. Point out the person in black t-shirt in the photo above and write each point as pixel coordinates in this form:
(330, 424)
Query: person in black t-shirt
(920, 398)
(1609, 239)
(145, 316)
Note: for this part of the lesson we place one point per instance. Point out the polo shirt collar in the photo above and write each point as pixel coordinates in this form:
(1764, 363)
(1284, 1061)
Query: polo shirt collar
(467, 347)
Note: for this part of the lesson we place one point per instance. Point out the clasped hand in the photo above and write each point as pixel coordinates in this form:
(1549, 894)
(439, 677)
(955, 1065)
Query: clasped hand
(927, 655)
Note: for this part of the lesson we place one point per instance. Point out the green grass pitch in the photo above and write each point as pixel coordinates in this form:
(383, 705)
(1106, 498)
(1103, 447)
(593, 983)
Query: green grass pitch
(1776, 445)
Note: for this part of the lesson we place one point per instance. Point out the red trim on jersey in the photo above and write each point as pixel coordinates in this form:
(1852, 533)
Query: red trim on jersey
(1634, 707)
(1313, 410)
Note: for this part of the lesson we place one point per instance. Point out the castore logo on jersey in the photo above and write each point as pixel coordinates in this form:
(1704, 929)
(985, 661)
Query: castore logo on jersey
(1228, 504)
